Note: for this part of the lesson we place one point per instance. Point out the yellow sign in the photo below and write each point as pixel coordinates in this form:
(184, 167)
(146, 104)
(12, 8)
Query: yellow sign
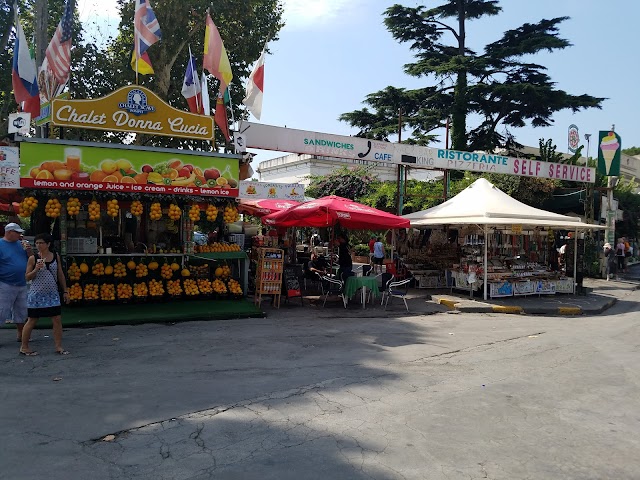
(516, 229)
(131, 109)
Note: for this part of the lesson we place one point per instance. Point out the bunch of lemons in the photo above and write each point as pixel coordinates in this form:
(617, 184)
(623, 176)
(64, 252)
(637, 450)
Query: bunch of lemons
(174, 212)
(219, 287)
(174, 288)
(53, 208)
(234, 287)
(136, 208)
(155, 211)
(27, 206)
(231, 214)
(94, 211)
(194, 213)
(97, 268)
(113, 208)
(141, 270)
(204, 285)
(166, 272)
(73, 206)
(212, 213)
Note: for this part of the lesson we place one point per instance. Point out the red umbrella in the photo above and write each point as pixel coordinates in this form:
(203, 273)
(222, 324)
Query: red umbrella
(260, 208)
(327, 211)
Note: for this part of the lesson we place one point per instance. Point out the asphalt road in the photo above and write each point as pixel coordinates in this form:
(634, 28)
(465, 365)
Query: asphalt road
(443, 396)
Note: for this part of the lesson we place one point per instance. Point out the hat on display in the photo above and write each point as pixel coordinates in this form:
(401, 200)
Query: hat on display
(13, 227)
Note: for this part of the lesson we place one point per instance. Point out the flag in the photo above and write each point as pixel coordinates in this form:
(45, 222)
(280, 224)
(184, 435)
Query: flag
(255, 87)
(59, 50)
(143, 63)
(206, 103)
(191, 86)
(146, 28)
(216, 60)
(221, 116)
(23, 75)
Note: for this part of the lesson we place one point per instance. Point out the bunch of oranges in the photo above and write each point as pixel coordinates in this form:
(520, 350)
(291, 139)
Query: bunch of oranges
(191, 287)
(174, 212)
(91, 291)
(27, 206)
(204, 285)
(53, 208)
(212, 213)
(231, 214)
(155, 211)
(113, 208)
(94, 211)
(234, 287)
(166, 272)
(119, 270)
(97, 268)
(73, 206)
(141, 270)
(194, 213)
(140, 289)
(74, 271)
(174, 288)
(218, 247)
(219, 287)
(125, 291)
(75, 292)
(107, 292)
(136, 208)
(223, 271)
(155, 288)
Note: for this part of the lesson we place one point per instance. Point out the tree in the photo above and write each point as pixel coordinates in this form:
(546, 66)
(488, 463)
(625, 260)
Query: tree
(496, 85)
(345, 182)
(633, 151)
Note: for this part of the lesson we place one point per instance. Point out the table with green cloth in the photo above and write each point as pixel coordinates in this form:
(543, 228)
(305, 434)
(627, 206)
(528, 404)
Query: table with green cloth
(354, 283)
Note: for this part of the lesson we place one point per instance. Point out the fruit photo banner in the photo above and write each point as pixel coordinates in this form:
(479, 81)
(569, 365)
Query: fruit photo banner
(72, 167)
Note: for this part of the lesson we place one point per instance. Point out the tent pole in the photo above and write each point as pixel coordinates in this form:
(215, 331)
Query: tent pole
(575, 262)
(486, 258)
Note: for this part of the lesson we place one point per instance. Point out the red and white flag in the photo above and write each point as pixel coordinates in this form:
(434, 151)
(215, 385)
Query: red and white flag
(255, 88)
(58, 52)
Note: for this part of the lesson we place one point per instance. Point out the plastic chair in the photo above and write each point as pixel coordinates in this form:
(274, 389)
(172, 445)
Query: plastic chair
(334, 287)
(366, 270)
(396, 289)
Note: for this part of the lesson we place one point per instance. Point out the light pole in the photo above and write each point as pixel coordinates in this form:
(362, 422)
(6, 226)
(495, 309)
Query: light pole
(588, 201)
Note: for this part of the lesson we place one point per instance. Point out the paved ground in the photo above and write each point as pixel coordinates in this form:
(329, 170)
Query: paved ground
(366, 394)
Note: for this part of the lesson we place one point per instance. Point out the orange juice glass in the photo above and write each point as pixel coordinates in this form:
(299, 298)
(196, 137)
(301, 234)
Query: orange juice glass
(72, 159)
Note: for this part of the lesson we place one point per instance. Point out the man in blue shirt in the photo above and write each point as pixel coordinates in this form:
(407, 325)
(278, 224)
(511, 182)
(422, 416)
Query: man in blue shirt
(13, 284)
(378, 255)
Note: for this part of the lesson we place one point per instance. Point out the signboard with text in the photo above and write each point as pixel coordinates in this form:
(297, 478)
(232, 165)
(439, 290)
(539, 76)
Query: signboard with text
(278, 191)
(131, 109)
(609, 150)
(325, 145)
(9, 167)
(71, 167)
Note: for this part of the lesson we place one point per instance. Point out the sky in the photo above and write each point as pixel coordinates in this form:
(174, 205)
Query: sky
(332, 53)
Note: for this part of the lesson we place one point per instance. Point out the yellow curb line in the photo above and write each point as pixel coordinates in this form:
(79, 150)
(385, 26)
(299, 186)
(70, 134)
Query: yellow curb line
(569, 310)
(506, 309)
(447, 303)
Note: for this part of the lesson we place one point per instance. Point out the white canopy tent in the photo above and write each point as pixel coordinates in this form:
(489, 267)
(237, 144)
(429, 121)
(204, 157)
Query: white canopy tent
(484, 205)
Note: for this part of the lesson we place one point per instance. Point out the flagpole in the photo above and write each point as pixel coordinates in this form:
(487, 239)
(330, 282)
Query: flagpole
(193, 76)
(233, 119)
(135, 48)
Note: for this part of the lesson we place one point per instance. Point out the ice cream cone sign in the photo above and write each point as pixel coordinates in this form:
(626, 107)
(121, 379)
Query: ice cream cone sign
(609, 147)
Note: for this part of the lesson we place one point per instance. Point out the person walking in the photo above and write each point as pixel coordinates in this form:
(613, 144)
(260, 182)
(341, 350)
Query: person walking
(14, 254)
(620, 255)
(378, 256)
(44, 270)
(611, 261)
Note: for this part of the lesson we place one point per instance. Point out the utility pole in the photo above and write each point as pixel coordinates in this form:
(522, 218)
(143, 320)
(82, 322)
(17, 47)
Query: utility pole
(40, 28)
(611, 213)
(588, 201)
(400, 177)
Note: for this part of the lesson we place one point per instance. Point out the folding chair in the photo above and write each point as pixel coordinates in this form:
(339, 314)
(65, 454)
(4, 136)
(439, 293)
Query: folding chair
(397, 289)
(334, 287)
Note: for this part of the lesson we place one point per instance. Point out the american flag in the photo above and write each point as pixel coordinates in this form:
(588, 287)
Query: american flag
(59, 50)
(147, 28)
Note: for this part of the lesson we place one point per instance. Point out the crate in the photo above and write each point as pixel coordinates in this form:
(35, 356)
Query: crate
(237, 238)
(82, 245)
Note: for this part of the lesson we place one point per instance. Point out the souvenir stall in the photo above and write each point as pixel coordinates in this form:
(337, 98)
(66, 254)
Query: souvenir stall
(501, 246)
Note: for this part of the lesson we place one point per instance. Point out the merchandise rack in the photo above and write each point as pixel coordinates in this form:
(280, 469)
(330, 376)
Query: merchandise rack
(269, 275)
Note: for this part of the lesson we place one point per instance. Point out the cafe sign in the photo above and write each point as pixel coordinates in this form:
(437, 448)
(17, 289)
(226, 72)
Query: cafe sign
(277, 191)
(131, 109)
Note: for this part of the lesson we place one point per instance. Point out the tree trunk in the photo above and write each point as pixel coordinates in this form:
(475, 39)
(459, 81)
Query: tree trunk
(40, 27)
(459, 115)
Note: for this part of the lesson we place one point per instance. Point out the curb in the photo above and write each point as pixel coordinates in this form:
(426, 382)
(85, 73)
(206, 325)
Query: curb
(447, 303)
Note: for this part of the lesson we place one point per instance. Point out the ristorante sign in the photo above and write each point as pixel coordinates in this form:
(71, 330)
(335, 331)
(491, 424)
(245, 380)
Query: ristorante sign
(131, 109)
(361, 149)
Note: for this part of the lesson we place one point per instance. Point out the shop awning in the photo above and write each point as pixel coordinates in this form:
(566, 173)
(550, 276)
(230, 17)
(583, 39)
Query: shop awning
(262, 207)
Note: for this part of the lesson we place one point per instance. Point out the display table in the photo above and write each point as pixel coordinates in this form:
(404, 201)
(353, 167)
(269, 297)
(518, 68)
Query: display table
(354, 283)
(241, 257)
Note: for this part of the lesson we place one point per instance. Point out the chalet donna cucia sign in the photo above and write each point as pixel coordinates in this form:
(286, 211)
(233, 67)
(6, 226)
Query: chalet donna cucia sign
(131, 109)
